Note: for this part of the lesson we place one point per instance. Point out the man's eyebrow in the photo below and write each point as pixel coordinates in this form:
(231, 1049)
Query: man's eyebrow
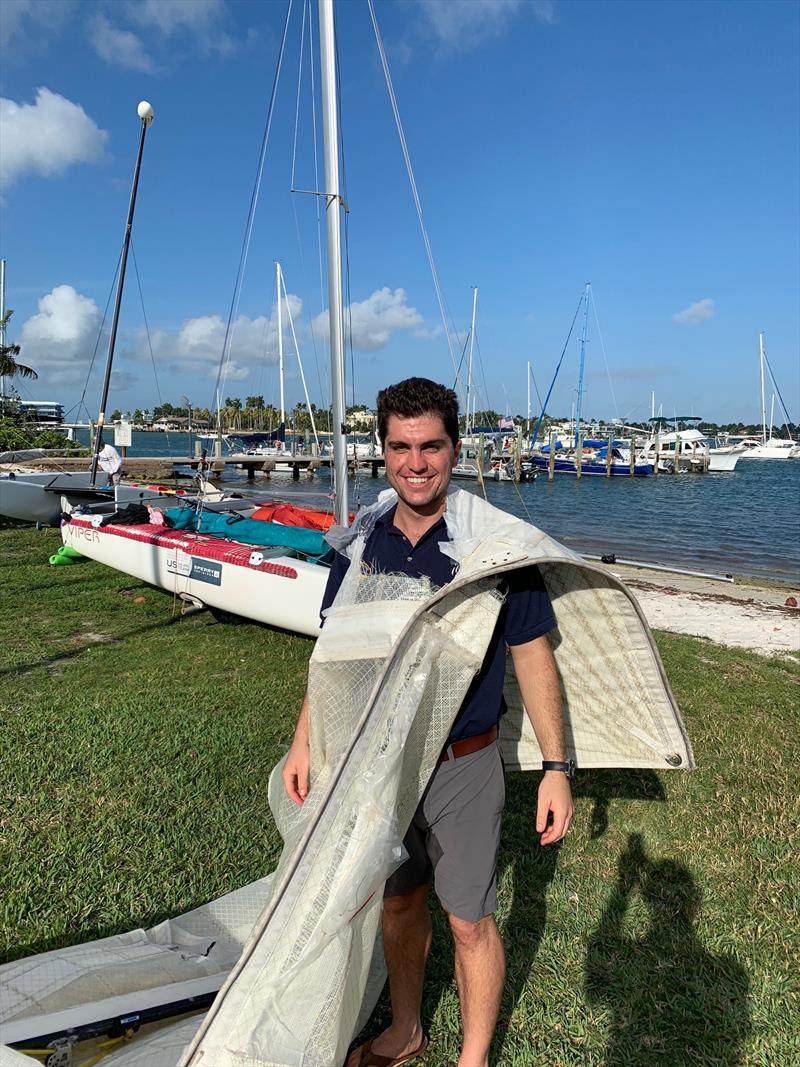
(394, 442)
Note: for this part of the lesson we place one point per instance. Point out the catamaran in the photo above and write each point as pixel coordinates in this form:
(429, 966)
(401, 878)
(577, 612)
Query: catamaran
(233, 557)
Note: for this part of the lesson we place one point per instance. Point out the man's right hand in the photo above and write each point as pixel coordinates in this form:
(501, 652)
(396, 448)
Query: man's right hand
(295, 771)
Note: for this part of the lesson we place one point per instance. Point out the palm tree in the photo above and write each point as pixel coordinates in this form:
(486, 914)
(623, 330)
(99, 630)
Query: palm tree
(9, 368)
(233, 406)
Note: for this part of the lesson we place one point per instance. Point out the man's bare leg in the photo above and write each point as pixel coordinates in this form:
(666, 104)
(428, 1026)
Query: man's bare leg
(480, 973)
(406, 943)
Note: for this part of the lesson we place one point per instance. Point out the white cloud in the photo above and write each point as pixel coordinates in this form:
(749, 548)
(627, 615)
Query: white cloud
(46, 137)
(545, 11)
(120, 48)
(203, 18)
(697, 312)
(59, 341)
(234, 372)
(197, 346)
(28, 22)
(375, 319)
(464, 23)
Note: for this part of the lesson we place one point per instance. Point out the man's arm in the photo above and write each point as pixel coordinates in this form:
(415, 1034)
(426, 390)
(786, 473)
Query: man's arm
(295, 769)
(538, 682)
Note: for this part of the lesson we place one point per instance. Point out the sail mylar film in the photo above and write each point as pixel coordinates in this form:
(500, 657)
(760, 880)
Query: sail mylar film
(387, 677)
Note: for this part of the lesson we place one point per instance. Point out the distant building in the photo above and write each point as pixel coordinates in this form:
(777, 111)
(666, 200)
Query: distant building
(49, 411)
(178, 422)
(363, 419)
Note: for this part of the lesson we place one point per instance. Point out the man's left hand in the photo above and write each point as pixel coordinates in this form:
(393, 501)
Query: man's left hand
(555, 795)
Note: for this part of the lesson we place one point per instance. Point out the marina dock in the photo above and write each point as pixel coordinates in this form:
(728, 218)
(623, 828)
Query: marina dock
(161, 468)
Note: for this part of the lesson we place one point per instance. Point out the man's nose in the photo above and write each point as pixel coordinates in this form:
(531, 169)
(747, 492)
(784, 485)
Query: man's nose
(417, 460)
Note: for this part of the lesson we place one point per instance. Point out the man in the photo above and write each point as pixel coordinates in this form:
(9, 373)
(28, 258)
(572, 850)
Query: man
(110, 461)
(454, 836)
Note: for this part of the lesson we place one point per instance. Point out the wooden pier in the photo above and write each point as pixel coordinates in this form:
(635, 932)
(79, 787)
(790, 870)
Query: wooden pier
(296, 463)
(164, 468)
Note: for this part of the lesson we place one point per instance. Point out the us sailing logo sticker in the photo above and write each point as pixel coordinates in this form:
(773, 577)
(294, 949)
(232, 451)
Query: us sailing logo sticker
(200, 570)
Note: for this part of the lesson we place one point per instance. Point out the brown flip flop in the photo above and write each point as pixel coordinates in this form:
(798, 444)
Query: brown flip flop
(368, 1058)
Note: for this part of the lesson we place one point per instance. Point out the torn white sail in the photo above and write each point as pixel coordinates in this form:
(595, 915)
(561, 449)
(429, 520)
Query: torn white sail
(386, 679)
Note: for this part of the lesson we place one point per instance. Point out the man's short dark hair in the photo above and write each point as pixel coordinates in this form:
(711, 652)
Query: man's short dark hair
(415, 397)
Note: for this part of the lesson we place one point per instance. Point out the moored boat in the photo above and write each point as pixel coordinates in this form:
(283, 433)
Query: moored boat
(595, 465)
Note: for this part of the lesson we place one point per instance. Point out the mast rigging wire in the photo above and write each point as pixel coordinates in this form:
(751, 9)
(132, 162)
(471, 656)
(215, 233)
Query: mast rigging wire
(237, 289)
(535, 386)
(558, 368)
(410, 170)
(324, 390)
(605, 360)
(780, 398)
(147, 334)
(81, 404)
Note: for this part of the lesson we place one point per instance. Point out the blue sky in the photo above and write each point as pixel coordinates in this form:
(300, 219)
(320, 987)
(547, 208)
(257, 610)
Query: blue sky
(650, 148)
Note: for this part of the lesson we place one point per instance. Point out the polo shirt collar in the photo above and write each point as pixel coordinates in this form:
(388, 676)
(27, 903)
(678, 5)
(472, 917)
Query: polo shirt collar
(387, 520)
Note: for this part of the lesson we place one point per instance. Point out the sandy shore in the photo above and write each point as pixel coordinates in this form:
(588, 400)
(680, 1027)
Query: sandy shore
(742, 614)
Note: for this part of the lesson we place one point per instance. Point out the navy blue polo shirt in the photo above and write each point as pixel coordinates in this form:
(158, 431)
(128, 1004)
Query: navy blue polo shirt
(526, 613)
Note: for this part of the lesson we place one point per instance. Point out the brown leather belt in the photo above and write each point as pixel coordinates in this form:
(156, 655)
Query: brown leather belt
(468, 745)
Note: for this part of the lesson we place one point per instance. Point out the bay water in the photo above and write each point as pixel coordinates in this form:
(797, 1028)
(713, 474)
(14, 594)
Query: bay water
(744, 523)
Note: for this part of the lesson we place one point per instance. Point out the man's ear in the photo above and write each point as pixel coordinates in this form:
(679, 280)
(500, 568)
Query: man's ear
(457, 452)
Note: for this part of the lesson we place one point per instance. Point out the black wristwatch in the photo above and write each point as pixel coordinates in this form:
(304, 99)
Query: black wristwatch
(568, 766)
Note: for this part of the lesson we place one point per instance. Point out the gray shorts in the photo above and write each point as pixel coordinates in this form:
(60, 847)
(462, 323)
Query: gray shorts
(454, 836)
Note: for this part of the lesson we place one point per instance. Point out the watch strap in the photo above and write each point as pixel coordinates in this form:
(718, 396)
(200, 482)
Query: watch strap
(567, 766)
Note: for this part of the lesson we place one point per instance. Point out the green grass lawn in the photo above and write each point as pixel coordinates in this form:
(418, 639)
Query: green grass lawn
(136, 743)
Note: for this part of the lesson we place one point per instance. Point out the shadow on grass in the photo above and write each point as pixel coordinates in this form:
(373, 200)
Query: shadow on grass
(530, 868)
(670, 1000)
(64, 657)
(603, 786)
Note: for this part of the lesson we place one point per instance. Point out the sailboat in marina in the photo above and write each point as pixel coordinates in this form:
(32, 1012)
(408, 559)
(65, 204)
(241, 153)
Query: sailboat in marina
(599, 458)
(265, 563)
(37, 496)
(766, 446)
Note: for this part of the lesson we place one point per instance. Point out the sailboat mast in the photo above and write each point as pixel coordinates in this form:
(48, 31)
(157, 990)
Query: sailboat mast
(763, 400)
(145, 113)
(330, 125)
(582, 364)
(528, 427)
(280, 336)
(2, 322)
(471, 350)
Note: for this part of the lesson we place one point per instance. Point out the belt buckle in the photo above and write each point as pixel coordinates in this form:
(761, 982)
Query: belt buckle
(447, 753)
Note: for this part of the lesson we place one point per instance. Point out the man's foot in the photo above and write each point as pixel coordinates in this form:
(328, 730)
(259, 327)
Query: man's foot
(389, 1049)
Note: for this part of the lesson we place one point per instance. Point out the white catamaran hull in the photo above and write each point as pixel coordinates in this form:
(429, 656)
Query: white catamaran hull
(267, 585)
(36, 496)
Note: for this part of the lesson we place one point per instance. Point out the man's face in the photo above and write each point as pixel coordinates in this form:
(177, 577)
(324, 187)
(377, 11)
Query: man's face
(419, 460)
